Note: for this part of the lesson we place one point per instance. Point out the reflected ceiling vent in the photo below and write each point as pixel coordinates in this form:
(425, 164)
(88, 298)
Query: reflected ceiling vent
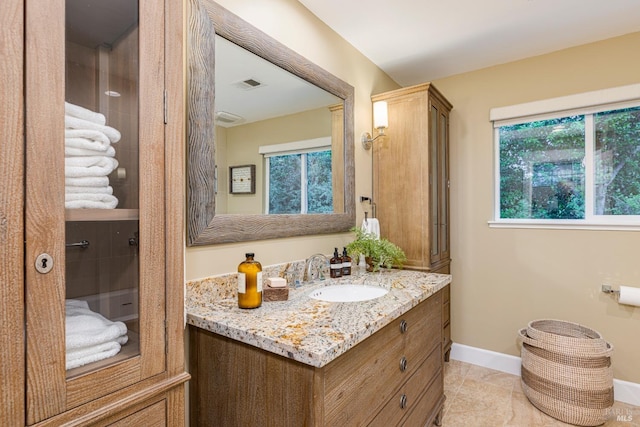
(228, 118)
(249, 84)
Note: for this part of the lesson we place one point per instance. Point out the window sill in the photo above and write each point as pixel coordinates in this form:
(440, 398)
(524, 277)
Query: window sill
(564, 225)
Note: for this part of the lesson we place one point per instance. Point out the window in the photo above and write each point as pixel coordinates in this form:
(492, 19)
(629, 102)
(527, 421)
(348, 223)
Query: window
(298, 177)
(579, 166)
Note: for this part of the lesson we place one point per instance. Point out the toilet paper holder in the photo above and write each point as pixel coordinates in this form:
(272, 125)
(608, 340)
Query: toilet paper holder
(607, 289)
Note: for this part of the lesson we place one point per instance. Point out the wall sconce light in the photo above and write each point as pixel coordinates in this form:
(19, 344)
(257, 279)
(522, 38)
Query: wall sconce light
(380, 122)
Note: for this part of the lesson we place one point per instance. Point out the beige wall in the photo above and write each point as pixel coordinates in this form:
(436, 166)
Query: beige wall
(311, 38)
(503, 278)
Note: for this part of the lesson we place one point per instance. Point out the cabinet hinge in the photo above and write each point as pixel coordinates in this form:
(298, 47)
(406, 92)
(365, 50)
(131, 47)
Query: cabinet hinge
(165, 107)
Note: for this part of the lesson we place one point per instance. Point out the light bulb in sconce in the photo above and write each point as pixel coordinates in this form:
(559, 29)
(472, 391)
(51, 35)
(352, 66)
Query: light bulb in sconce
(380, 122)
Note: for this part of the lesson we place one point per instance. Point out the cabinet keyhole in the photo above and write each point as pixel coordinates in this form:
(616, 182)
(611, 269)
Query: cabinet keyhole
(44, 263)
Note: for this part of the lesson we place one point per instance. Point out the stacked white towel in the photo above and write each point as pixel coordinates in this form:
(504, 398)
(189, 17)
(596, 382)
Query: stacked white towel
(89, 336)
(89, 159)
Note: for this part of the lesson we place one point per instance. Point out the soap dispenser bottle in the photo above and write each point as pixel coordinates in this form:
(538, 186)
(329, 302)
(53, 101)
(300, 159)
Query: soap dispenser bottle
(346, 263)
(249, 283)
(335, 265)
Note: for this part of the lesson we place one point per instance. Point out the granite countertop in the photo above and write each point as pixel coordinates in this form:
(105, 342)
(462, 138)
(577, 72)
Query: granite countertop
(304, 329)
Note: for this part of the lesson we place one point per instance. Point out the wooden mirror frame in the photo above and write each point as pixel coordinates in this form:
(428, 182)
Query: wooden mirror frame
(204, 227)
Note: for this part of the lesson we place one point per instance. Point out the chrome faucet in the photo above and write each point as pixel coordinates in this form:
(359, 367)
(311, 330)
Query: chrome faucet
(308, 267)
(289, 274)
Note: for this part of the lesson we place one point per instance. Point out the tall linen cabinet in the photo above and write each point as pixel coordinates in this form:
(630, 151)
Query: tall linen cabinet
(411, 182)
(411, 176)
(92, 132)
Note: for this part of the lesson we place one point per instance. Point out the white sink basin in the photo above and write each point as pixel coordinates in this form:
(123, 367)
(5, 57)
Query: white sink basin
(348, 293)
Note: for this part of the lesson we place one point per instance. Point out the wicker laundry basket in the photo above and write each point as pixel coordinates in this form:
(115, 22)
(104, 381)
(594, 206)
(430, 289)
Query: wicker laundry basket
(566, 371)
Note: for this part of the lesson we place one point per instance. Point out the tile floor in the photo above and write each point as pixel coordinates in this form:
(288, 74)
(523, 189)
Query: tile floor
(481, 397)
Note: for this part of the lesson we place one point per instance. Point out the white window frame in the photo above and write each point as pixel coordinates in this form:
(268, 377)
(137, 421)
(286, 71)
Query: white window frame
(586, 104)
(297, 147)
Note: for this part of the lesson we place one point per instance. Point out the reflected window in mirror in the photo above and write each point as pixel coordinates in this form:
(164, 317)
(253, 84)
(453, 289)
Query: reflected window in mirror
(298, 177)
(260, 104)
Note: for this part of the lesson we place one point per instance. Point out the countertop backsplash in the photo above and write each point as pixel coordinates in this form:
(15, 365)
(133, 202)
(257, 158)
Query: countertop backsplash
(225, 286)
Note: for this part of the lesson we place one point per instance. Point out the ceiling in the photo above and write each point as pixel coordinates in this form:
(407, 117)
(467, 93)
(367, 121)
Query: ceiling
(249, 88)
(415, 41)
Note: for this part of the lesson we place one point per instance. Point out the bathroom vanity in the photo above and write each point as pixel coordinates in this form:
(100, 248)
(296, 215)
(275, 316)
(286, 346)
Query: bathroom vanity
(316, 363)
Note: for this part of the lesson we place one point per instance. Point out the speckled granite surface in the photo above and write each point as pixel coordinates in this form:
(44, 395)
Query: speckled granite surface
(304, 329)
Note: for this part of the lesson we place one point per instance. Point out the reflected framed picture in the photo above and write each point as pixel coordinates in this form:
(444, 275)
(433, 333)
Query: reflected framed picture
(242, 179)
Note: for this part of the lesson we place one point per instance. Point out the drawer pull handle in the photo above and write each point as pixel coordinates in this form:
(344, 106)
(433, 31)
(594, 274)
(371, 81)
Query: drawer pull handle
(403, 401)
(403, 326)
(403, 364)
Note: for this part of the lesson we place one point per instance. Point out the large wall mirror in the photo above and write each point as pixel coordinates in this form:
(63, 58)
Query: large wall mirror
(270, 136)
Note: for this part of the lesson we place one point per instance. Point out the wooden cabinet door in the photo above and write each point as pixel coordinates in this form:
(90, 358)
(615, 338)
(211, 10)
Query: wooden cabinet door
(400, 176)
(11, 213)
(109, 61)
(438, 184)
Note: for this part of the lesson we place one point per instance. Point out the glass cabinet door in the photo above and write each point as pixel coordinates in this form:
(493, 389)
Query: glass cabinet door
(95, 204)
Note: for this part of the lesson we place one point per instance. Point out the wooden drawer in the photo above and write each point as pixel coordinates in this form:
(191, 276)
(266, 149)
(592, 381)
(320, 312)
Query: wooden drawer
(151, 416)
(446, 317)
(426, 409)
(408, 398)
(446, 336)
(375, 364)
(446, 322)
(446, 306)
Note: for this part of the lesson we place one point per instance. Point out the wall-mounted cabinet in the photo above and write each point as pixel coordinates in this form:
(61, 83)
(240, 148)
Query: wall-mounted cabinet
(101, 265)
(411, 176)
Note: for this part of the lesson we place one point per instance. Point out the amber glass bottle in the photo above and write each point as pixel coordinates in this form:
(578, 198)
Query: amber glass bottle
(249, 283)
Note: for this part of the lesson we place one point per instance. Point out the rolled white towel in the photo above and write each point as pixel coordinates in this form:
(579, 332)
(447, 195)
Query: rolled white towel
(90, 201)
(75, 152)
(76, 123)
(96, 353)
(86, 328)
(70, 189)
(89, 166)
(84, 113)
(86, 138)
(87, 181)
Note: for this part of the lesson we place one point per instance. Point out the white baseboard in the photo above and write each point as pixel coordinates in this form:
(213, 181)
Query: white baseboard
(623, 391)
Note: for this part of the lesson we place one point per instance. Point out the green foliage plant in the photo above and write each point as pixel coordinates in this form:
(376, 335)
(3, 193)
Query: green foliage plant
(378, 252)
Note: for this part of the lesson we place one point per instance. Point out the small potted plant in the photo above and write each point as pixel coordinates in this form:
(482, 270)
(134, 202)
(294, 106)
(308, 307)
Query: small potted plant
(378, 252)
